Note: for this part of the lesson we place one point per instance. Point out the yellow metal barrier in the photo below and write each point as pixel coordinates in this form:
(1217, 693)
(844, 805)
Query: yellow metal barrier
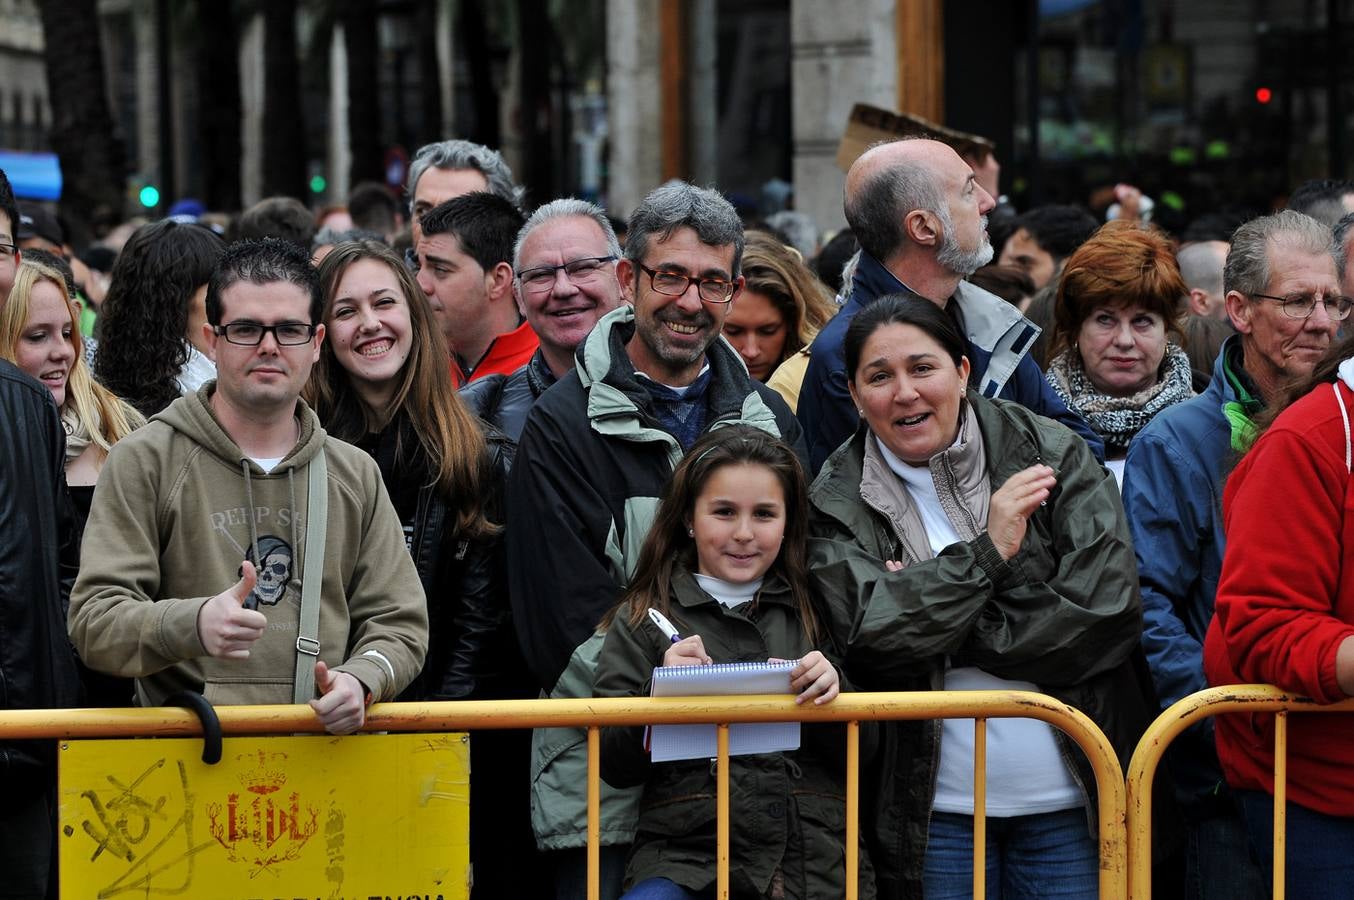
(599, 713)
(1249, 698)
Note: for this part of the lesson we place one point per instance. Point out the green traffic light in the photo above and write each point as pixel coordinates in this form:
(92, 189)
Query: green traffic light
(318, 184)
(150, 196)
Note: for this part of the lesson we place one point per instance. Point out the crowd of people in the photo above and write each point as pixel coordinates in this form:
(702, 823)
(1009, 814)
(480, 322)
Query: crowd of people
(354, 457)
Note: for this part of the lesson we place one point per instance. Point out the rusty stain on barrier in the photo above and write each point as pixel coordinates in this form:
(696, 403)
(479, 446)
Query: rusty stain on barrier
(1174, 720)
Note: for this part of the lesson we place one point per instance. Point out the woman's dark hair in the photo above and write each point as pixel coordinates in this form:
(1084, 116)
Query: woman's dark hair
(143, 321)
(1204, 336)
(1010, 283)
(668, 546)
(449, 436)
(901, 309)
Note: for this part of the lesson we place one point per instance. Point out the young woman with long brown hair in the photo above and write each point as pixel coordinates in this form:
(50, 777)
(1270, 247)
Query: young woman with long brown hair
(383, 382)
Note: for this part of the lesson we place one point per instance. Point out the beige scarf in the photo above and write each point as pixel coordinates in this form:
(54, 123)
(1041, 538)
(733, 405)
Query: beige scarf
(77, 436)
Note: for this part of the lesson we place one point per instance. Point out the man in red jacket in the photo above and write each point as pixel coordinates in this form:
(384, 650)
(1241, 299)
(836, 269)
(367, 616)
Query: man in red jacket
(465, 267)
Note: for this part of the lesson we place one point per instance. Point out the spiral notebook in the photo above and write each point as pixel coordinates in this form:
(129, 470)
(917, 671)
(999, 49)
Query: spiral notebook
(670, 742)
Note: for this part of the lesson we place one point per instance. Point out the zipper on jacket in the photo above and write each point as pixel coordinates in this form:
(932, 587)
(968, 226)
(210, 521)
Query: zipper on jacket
(903, 553)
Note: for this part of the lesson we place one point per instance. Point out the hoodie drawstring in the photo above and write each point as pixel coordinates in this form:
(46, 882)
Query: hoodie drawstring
(253, 525)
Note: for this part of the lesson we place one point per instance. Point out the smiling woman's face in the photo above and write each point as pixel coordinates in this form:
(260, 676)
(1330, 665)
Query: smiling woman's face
(909, 391)
(369, 324)
(46, 349)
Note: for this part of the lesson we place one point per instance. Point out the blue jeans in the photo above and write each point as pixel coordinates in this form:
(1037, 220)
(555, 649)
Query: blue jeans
(1320, 859)
(1044, 855)
(1218, 861)
(663, 889)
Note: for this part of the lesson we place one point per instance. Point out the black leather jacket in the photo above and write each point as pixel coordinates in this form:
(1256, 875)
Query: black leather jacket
(38, 556)
(504, 400)
(472, 652)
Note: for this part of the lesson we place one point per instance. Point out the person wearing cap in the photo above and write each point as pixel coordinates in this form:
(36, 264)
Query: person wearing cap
(39, 229)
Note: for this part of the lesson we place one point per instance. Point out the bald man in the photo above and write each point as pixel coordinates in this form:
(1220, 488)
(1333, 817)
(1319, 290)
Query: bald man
(921, 217)
(1201, 267)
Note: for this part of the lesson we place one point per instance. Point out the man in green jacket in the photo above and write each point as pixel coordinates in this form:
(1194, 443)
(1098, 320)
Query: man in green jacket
(197, 550)
(595, 453)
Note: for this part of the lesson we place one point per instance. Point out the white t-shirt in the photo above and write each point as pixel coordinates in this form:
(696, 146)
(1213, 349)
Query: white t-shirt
(1026, 774)
(267, 463)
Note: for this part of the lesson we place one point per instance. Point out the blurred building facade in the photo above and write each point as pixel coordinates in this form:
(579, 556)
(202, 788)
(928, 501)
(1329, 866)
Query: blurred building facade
(1204, 104)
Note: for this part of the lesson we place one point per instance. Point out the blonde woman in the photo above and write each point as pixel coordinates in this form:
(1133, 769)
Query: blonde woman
(39, 333)
(781, 308)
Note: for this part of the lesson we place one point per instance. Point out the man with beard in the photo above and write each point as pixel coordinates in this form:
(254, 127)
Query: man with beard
(594, 455)
(921, 218)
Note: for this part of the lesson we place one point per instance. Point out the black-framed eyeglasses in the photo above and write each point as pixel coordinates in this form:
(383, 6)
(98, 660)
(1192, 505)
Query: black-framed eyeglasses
(1300, 306)
(674, 284)
(8, 249)
(539, 279)
(250, 334)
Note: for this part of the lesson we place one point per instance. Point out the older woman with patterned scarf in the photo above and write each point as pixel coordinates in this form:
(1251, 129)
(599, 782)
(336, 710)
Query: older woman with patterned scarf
(1117, 357)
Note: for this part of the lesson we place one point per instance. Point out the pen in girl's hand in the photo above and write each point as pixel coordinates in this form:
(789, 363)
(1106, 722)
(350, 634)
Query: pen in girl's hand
(664, 625)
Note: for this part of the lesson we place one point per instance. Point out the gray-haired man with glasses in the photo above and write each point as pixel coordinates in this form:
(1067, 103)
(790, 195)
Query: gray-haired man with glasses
(594, 455)
(564, 266)
(1283, 297)
(235, 550)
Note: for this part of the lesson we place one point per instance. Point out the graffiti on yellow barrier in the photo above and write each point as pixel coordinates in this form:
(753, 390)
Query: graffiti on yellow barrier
(362, 816)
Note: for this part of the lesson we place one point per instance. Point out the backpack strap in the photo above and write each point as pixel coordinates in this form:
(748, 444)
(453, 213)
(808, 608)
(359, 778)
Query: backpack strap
(308, 630)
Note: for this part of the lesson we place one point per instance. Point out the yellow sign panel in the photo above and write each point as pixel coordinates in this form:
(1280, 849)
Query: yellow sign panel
(316, 817)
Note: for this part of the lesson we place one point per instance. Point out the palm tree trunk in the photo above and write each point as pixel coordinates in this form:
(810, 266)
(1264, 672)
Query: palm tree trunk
(218, 84)
(93, 158)
(359, 20)
(284, 154)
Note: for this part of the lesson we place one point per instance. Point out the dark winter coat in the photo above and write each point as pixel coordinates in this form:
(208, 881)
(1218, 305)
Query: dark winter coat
(1063, 613)
(788, 809)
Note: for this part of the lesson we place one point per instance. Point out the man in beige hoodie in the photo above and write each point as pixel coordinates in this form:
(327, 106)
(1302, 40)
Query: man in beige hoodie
(193, 563)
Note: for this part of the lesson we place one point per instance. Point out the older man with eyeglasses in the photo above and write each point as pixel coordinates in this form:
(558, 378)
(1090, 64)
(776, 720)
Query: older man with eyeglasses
(1283, 297)
(564, 265)
(594, 455)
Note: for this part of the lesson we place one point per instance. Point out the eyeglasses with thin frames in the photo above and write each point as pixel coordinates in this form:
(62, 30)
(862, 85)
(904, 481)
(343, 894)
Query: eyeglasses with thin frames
(250, 334)
(540, 279)
(1301, 306)
(675, 284)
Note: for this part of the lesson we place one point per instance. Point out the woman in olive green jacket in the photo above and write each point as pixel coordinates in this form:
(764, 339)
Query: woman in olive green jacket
(724, 562)
(1011, 569)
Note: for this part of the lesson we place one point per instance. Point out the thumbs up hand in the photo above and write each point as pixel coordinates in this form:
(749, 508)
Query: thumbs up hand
(341, 706)
(227, 629)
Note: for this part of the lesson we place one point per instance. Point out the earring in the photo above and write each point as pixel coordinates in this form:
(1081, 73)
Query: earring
(691, 532)
(861, 410)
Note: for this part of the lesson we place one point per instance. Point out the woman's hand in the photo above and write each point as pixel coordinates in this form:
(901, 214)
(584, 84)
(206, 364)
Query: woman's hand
(814, 677)
(1009, 512)
(689, 651)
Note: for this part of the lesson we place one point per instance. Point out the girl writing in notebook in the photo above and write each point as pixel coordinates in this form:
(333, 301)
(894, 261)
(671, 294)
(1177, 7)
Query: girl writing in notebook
(725, 563)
